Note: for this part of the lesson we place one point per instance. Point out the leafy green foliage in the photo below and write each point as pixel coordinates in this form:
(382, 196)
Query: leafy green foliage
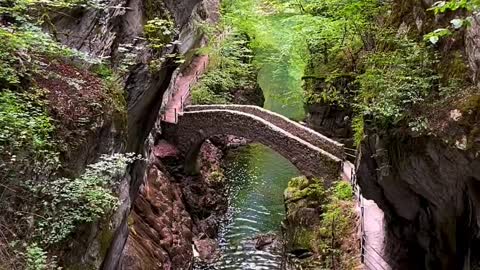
(26, 135)
(37, 259)
(358, 127)
(19, 46)
(274, 29)
(343, 191)
(65, 203)
(300, 187)
(453, 5)
(441, 7)
(159, 32)
(395, 80)
(334, 235)
(435, 36)
(24, 123)
(231, 70)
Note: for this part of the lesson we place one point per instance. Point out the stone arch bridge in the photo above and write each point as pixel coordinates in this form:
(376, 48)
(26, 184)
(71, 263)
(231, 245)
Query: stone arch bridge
(312, 153)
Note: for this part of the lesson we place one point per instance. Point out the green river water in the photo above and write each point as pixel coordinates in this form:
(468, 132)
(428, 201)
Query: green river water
(257, 178)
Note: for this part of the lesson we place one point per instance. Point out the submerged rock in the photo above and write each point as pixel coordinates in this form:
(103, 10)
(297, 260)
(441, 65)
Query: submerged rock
(207, 249)
(269, 242)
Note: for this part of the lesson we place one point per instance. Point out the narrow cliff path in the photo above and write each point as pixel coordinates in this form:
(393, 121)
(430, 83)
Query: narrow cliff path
(182, 85)
(372, 225)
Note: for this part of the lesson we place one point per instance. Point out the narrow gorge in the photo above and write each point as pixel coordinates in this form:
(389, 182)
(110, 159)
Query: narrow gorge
(239, 134)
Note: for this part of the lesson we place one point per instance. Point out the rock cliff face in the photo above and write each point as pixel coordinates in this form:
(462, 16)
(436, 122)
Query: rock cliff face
(115, 33)
(430, 195)
(160, 227)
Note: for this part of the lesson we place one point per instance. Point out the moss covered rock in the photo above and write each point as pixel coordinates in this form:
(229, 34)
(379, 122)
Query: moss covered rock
(303, 199)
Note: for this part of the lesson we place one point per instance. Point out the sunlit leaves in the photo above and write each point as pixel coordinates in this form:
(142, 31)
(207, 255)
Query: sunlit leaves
(159, 32)
(436, 35)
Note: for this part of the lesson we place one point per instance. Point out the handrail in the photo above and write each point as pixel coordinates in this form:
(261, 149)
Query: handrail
(364, 246)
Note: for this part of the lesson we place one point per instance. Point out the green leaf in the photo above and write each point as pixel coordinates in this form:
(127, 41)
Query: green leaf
(457, 23)
(433, 39)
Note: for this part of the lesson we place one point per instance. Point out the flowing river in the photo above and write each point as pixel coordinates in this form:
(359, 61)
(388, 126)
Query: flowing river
(257, 177)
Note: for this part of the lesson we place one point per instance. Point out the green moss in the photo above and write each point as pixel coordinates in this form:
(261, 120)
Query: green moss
(106, 238)
(472, 104)
(300, 182)
(302, 239)
(130, 221)
(300, 187)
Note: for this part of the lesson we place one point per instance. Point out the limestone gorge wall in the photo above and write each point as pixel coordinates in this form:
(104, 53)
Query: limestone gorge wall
(116, 34)
(429, 192)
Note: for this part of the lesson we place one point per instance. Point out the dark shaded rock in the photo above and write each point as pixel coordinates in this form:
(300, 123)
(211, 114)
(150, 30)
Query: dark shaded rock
(264, 240)
(332, 121)
(249, 96)
(301, 253)
(429, 193)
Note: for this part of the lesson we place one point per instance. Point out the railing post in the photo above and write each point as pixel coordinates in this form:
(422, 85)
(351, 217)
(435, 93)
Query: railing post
(362, 255)
(351, 176)
(362, 228)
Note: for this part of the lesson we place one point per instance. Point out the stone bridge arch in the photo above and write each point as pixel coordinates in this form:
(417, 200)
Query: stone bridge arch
(194, 127)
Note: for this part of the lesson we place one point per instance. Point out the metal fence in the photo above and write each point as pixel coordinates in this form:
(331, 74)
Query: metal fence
(369, 256)
(183, 99)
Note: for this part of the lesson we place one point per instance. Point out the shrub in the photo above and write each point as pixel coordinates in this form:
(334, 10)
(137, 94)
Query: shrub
(24, 123)
(343, 191)
(395, 80)
(37, 259)
(358, 126)
(231, 70)
(159, 32)
(66, 203)
(335, 236)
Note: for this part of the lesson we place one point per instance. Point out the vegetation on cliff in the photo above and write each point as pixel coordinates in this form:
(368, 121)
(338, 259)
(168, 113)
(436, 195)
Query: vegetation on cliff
(52, 99)
(323, 222)
(230, 71)
(369, 56)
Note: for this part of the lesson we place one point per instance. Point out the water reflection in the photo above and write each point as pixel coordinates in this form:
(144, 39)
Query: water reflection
(258, 177)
